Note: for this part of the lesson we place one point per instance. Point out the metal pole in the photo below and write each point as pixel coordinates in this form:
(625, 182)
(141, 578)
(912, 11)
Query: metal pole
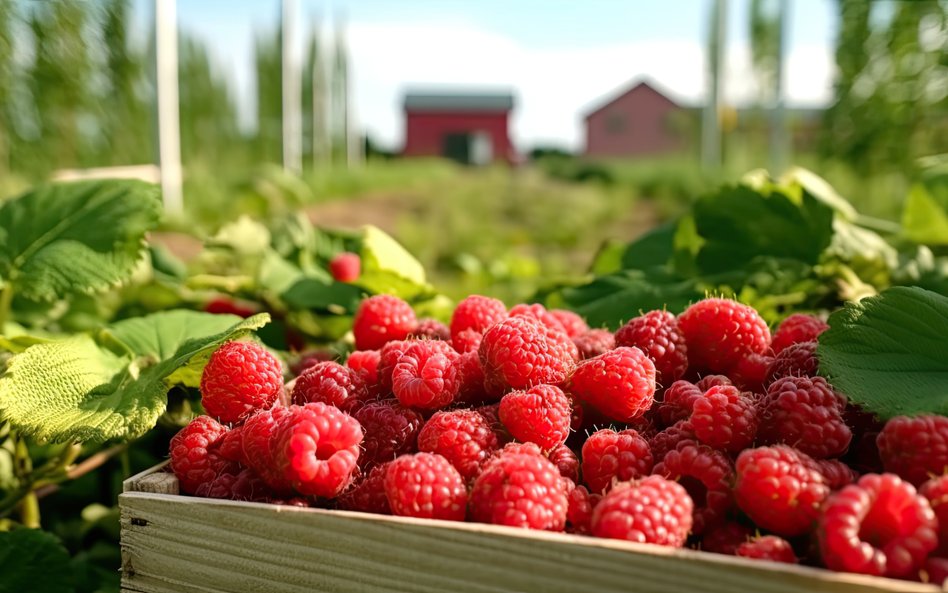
(711, 127)
(166, 82)
(778, 125)
(292, 113)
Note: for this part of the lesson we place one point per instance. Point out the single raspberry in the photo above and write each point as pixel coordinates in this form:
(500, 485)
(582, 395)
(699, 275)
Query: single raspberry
(750, 373)
(915, 448)
(936, 491)
(389, 356)
(239, 379)
(566, 461)
(390, 430)
(725, 538)
(366, 364)
(225, 305)
(668, 439)
(329, 383)
(426, 376)
(231, 445)
(650, 511)
(797, 360)
(724, 418)
(257, 444)
(656, 334)
(368, 494)
(345, 267)
(805, 413)
(836, 473)
(708, 381)
(467, 341)
(471, 389)
(879, 526)
(381, 319)
(539, 415)
(539, 313)
(594, 342)
(431, 329)
(520, 352)
(491, 414)
(619, 383)
(463, 437)
(678, 400)
(720, 332)
(426, 486)
(706, 475)
(477, 313)
(610, 457)
(795, 329)
(194, 456)
(780, 489)
(574, 325)
(580, 509)
(316, 447)
(768, 547)
(520, 489)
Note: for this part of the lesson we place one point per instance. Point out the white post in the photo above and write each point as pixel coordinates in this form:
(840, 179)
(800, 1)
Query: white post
(292, 113)
(166, 82)
(779, 144)
(711, 128)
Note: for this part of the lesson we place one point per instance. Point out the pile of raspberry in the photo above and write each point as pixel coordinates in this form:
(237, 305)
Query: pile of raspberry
(701, 430)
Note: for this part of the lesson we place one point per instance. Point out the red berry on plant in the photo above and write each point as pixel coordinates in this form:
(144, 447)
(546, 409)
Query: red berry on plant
(345, 267)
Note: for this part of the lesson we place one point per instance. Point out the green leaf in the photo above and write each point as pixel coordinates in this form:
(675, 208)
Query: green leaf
(33, 560)
(323, 295)
(924, 221)
(888, 352)
(83, 236)
(387, 267)
(799, 178)
(113, 384)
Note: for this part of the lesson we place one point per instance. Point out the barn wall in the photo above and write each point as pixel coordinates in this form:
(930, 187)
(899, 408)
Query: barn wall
(638, 123)
(425, 130)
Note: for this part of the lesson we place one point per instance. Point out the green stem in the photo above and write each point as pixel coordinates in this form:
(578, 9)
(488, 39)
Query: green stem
(23, 470)
(30, 511)
(6, 301)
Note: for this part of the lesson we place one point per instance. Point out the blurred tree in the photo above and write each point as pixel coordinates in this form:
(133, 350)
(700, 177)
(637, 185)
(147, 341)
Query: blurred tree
(765, 46)
(314, 101)
(268, 144)
(6, 83)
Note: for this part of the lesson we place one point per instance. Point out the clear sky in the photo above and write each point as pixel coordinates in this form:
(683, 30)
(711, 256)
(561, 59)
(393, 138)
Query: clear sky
(558, 56)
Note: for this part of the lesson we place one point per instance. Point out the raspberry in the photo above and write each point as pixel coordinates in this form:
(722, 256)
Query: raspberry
(244, 485)
(724, 418)
(915, 448)
(795, 329)
(780, 489)
(381, 319)
(427, 486)
(750, 373)
(390, 430)
(470, 380)
(239, 379)
(768, 547)
(194, 459)
(725, 538)
(594, 342)
(656, 333)
(463, 437)
(520, 352)
(366, 364)
(796, 360)
(224, 305)
(653, 511)
(720, 332)
(231, 445)
(619, 383)
(540, 314)
(610, 457)
(491, 414)
(431, 329)
(329, 383)
(316, 446)
(520, 489)
(709, 381)
(706, 475)
(368, 494)
(580, 509)
(389, 356)
(668, 439)
(678, 400)
(257, 446)
(836, 473)
(805, 413)
(426, 376)
(566, 461)
(345, 267)
(573, 324)
(467, 341)
(477, 313)
(539, 415)
(936, 491)
(879, 526)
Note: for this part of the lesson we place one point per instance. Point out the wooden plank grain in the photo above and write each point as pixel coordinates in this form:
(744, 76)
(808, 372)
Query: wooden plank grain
(175, 543)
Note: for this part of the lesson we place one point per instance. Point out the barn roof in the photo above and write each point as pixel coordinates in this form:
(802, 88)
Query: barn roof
(459, 101)
(601, 104)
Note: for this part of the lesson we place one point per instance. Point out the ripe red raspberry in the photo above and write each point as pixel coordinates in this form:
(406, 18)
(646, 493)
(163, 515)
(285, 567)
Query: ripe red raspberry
(257, 445)
(381, 319)
(573, 324)
(231, 444)
(706, 475)
(224, 305)
(345, 267)
(539, 415)
(471, 391)
(768, 547)
(426, 376)
(389, 356)
(836, 473)
(805, 413)
(879, 526)
(750, 373)
(725, 538)
(780, 489)
(390, 430)
(677, 401)
(194, 458)
(540, 314)
(330, 383)
(619, 383)
(720, 332)
(368, 494)
(594, 342)
(708, 381)
(239, 379)
(366, 364)
(566, 461)
(650, 511)
(725, 419)
(520, 489)
(936, 491)
(610, 457)
(477, 313)
(580, 509)
(915, 448)
(316, 446)
(463, 437)
(656, 334)
(668, 439)
(467, 341)
(797, 360)
(795, 329)
(520, 352)
(431, 329)
(426, 486)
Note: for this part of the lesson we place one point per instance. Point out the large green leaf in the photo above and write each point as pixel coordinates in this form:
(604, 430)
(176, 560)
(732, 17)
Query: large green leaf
(888, 352)
(112, 384)
(33, 560)
(924, 221)
(82, 236)
(387, 267)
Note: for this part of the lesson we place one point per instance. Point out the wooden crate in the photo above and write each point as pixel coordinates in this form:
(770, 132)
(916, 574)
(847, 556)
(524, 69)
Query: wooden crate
(173, 543)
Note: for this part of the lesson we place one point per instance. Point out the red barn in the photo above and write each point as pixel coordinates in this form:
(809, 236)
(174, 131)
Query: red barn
(638, 122)
(469, 128)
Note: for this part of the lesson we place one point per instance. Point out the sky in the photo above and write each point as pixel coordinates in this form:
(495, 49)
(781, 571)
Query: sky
(559, 57)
